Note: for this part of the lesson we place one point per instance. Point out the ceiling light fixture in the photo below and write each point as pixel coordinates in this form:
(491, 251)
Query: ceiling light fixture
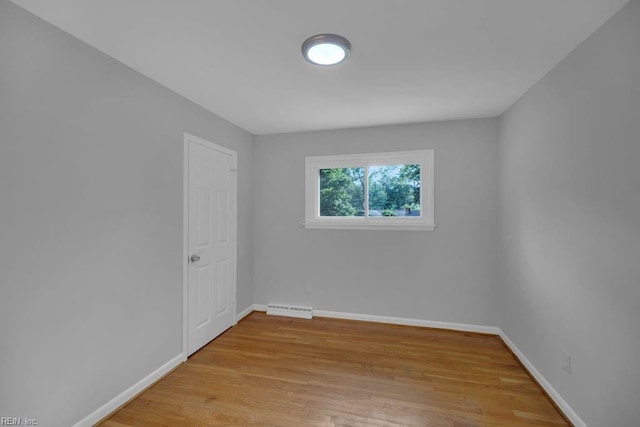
(326, 49)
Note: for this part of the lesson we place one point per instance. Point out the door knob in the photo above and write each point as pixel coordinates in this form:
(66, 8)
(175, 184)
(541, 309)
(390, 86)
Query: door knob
(195, 258)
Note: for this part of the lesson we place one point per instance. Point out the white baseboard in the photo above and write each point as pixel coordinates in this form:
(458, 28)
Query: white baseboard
(553, 394)
(409, 322)
(129, 393)
(399, 321)
(244, 313)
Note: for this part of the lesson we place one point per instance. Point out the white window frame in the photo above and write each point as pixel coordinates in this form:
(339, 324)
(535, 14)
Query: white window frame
(313, 164)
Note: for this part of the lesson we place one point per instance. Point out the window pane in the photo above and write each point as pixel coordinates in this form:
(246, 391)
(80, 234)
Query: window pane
(342, 192)
(394, 190)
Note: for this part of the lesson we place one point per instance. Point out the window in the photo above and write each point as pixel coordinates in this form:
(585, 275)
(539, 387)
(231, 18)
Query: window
(385, 191)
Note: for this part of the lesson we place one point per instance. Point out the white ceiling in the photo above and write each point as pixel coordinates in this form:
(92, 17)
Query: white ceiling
(412, 60)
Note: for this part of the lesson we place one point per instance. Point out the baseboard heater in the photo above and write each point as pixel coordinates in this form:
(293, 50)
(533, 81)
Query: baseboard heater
(290, 311)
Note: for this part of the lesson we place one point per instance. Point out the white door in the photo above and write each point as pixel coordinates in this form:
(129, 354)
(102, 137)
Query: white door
(211, 254)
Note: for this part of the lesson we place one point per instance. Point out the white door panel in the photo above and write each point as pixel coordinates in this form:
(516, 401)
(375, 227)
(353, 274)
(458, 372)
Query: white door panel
(211, 210)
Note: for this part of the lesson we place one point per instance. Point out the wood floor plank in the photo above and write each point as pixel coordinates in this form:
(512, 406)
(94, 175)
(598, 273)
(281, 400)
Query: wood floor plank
(276, 371)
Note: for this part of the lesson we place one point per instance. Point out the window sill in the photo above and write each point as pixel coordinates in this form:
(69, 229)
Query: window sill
(325, 225)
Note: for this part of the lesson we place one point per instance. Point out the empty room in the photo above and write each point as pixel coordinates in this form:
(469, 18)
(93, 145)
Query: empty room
(337, 213)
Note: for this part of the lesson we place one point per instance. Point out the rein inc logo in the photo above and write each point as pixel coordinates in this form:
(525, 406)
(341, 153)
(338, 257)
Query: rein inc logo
(18, 421)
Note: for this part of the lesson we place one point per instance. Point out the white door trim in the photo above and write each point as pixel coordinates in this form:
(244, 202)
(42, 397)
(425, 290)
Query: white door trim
(188, 138)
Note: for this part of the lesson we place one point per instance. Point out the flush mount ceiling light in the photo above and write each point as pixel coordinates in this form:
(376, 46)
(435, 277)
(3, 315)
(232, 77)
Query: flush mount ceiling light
(326, 49)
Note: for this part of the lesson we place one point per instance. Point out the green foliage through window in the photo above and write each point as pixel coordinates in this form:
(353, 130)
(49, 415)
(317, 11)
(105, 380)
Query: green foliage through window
(394, 190)
(341, 191)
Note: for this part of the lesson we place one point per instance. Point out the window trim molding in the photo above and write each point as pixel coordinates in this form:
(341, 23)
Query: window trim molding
(313, 164)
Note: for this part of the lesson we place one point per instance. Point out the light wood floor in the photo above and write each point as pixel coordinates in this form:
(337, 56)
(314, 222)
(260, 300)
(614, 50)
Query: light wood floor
(276, 371)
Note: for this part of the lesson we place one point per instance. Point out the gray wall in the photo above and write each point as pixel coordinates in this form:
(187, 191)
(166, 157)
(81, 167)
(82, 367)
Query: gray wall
(570, 197)
(448, 274)
(91, 221)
